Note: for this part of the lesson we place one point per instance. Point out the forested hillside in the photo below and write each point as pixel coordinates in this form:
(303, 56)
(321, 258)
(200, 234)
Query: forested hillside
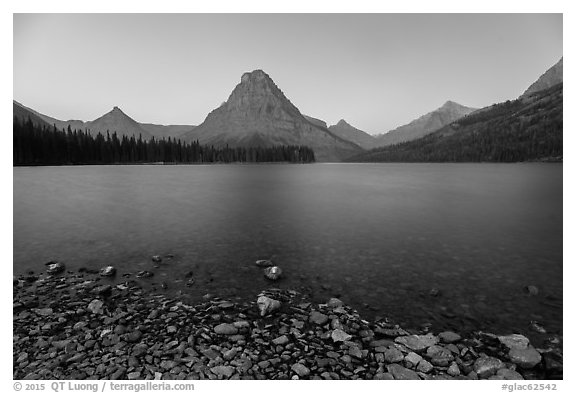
(41, 145)
(525, 129)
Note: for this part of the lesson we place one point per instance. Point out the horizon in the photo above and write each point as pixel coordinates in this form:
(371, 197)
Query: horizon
(152, 77)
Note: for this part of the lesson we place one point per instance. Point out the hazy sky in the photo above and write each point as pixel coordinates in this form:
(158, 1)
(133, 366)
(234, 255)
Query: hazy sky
(377, 71)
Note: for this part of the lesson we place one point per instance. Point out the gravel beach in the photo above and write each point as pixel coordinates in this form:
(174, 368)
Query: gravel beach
(83, 326)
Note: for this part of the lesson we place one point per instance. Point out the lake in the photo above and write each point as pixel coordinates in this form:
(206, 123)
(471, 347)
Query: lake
(379, 236)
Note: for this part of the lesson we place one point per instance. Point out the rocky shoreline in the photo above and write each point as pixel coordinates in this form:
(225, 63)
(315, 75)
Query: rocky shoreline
(71, 325)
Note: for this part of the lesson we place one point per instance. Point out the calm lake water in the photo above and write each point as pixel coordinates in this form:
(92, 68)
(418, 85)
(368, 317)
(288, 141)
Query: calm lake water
(380, 236)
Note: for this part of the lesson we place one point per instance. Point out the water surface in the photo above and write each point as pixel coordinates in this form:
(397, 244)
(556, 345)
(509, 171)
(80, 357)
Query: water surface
(380, 236)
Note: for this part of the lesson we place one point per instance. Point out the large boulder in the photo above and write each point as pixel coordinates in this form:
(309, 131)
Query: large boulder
(525, 357)
(417, 342)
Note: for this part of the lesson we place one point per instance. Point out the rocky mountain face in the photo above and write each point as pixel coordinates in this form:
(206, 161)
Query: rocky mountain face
(257, 113)
(551, 77)
(425, 124)
(352, 134)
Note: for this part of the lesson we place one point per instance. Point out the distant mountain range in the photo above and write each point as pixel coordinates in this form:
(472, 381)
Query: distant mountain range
(528, 128)
(258, 114)
(114, 121)
(425, 124)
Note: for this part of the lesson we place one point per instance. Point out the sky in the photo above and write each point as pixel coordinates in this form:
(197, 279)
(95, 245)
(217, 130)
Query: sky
(376, 71)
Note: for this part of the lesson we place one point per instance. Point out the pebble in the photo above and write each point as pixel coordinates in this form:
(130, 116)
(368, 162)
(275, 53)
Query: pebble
(301, 370)
(400, 372)
(225, 328)
(526, 358)
(281, 340)
(393, 355)
(449, 337)
(224, 371)
(417, 343)
(318, 318)
(487, 366)
(339, 335)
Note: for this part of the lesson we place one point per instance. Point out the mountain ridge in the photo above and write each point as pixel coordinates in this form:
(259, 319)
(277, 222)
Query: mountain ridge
(257, 113)
(425, 124)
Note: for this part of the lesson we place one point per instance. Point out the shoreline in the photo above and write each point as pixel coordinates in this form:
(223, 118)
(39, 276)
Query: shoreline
(79, 326)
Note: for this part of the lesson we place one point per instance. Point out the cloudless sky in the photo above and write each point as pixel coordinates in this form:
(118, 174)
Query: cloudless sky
(377, 71)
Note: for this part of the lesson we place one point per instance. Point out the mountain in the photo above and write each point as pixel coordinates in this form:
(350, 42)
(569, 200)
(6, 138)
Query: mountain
(119, 122)
(346, 131)
(23, 114)
(425, 124)
(114, 121)
(550, 78)
(257, 113)
(315, 121)
(519, 130)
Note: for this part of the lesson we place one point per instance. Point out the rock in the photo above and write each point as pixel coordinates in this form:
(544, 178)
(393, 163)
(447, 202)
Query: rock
(102, 290)
(139, 350)
(526, 358)
(449, 337)
(531, 290)
(535, 326)
(108, 271)
(272, 273)
(400, 372)
(133, 336)
(230, 354)
(487, 366)
(416, 342)
(144, 274)
(334, 302)
(413, 358)
(281, 340)
(384, 376)
(339, 335)
(356, 352)
(439, 356)
(156, 258)
(223, 371)
(44, 312)
(134, 375)
(453, 370)
(509, 374)
(435, 292)
(225, 328)
(517, 341)
(393, 355)
(267, 305)
(95, 306)
(318, 318)
(424, 366)
(264, 263)
(55, 267)
(300, 369)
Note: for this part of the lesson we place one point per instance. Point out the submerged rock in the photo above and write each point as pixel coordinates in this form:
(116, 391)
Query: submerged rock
(144, 274)
(273, 273)
(449, 337)
(267, 305)
(531, 290)
(108, 271)
(264, 263)
(156, 258)
(318, 318)
(55, 267)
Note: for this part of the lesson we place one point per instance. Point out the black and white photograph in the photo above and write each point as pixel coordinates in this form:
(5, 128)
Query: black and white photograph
(287, 196)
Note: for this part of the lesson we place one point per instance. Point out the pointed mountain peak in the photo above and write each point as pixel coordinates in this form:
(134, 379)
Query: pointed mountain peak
(450, 105)
(117, 110)
(551, 77)
(254, 76)
(343, 123)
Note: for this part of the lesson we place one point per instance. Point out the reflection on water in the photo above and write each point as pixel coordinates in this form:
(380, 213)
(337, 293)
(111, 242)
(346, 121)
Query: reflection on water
(380, 236)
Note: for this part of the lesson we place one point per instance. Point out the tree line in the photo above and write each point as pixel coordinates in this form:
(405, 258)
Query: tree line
(512, 131)
(47, 145)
